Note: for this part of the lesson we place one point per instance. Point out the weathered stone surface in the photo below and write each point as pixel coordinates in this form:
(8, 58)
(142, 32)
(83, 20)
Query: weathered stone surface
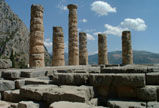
(127, 53)
(29, 81)
(65, 104)
(126, 92)
(102, 49)
(126, 104)
(27, 104)
(19, 83)
(152, 78)
(5, 63)
(153, 105)
(148, 93)
(12, 96)
(6, 85)
(35, 92)
(52, 93)
(83, 53)
(58, 47)
(73, 36)
(4, 104)
(36, 44)
(32, 73)
(69, 93)
(11, 74)
(70, 78)
(93, 102)
(130, 80)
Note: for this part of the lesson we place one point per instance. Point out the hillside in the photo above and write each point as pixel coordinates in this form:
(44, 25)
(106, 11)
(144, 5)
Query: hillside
(14, 39)
(140, 57)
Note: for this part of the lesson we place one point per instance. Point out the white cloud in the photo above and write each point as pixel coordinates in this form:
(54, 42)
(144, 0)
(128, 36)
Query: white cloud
(62, 7)
(84, 20)
(96, 33)
(90, 37)
(114, 30)
(102, 8)
(48, 43)
(137, 24)
(92, 53)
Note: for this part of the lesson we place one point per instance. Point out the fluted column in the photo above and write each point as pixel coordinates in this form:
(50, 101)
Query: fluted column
(73, 36)
(36, 37)
(127, 53)
(58, 47)
(102, 49)
(83, 54)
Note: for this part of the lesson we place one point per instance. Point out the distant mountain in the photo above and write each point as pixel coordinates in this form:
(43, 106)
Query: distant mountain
(115, 57)
(139, 57)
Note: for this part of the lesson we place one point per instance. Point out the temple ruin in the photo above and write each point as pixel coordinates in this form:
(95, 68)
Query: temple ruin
(81, 85)
(127, 53)
(83, 53)
(102, 49)
(58, 47)
(73, 36)
(36, 37)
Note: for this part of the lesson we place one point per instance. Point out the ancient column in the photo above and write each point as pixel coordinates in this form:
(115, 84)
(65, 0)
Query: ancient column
(83, 54)
(127, 54)
(36, 37)
(73, 36)
(102, 49)
(58, 47)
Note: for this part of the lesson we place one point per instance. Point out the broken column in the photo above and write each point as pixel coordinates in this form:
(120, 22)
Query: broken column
(83, 54)
(127, 54)
(73, 36)
(58, 47)
(36, 37)
(102, 49)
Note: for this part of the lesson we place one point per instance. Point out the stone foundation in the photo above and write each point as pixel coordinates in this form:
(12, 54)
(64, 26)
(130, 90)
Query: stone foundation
(88, 86)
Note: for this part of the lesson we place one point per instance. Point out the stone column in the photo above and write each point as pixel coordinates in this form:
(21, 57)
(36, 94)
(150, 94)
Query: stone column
(127, 54)
(83, 54)
(58, 47)
(36, 37)
(73, 36)
(102, 49)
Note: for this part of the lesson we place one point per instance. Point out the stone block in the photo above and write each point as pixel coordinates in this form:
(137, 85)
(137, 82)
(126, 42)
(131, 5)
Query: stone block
(5, 63)
(152, 78)
(29, 81)
(70, 78)
(19, 83)
(32, 73)
(147, 93)
(35, 92)
(130, 80)
(12, 96)
(11, 74)
(125, 104)
(153, 104)
(6, 85)
(27, 104)
(126, 92)
(68, 93)
(4, 104)
(65, 104)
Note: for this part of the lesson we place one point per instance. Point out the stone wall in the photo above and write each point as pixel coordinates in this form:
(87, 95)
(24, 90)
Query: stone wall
(109, 86)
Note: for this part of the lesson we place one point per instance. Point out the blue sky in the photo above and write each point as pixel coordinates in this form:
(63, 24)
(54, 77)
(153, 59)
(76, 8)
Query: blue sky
(106, 16)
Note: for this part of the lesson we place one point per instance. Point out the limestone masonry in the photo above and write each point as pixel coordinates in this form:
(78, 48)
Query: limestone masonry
(73, 36)
(102, 49)
(127, 54)
(83, 53)
(36, 37)
(58, 47)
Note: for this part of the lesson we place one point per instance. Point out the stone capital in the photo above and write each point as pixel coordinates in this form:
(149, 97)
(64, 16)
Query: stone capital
(72, 6)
